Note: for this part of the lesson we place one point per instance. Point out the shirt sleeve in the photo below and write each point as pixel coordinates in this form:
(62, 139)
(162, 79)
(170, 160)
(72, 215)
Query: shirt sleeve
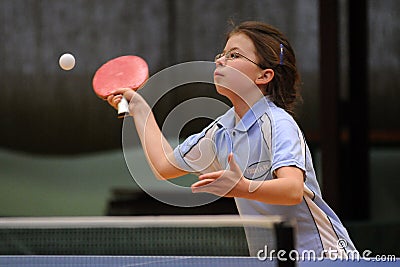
(197, 154)
(288, 145)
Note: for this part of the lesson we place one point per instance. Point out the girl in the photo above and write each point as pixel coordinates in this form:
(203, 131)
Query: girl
(255, 152)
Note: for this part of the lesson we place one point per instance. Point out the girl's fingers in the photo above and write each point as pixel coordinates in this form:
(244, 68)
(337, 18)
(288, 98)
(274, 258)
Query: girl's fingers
(211, 175)
(201, 186)
(113, 100)
(202, 183)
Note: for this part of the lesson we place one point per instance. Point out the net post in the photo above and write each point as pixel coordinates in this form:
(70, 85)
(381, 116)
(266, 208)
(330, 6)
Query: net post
(285, 241)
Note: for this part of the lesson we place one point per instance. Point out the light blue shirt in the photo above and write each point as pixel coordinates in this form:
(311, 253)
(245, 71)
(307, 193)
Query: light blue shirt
(266, 139)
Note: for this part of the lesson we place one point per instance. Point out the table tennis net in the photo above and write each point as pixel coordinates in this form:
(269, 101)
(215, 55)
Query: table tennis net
(160, 235)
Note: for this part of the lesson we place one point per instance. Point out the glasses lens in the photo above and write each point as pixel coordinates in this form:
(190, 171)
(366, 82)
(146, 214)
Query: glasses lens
(232, 55)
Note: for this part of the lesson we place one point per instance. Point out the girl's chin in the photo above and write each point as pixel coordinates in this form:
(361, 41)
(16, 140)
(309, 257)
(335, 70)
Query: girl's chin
(223, 90)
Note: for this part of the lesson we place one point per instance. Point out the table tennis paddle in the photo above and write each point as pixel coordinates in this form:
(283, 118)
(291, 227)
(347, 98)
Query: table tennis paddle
(120, 72)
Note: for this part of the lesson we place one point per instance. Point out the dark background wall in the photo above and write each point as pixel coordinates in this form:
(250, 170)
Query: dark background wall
(36, 33)
(59, 141)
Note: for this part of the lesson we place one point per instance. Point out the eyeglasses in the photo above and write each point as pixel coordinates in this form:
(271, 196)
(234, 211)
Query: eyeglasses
(231, 55)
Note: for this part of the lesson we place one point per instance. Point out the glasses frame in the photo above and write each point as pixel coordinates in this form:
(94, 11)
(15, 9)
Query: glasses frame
(228, 56)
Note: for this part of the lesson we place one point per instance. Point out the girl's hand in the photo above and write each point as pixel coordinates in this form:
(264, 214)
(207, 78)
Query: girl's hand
(116, 96)
(227, 183)
(114, 99)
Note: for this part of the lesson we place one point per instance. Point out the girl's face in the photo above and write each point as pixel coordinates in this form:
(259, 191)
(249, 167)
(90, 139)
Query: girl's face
(244, 45)
(236, 72)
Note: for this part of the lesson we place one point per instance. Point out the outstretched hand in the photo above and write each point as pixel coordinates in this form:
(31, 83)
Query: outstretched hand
(227, 183)
(116, 96)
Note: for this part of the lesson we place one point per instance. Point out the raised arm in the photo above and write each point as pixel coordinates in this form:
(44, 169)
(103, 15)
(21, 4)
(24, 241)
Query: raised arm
(158, 151)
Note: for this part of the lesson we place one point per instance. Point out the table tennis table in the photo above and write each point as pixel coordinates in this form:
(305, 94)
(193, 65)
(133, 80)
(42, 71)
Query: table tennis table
(168, 261)
(150, 241)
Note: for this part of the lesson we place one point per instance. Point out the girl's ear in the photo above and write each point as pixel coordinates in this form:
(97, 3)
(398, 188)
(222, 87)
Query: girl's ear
(265, 76)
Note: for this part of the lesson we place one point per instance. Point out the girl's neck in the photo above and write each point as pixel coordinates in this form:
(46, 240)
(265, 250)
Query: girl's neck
(241, 106)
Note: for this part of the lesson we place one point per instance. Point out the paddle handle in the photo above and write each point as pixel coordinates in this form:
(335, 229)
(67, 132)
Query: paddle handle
(123, 108)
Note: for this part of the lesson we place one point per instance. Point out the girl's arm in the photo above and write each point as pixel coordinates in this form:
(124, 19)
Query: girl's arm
(158, 151)
(286, 189)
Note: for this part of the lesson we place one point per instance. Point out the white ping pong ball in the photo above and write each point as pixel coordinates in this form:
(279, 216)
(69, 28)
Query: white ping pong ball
(67, 61)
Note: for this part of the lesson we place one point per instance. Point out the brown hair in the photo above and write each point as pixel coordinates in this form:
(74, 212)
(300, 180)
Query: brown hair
(274, 51)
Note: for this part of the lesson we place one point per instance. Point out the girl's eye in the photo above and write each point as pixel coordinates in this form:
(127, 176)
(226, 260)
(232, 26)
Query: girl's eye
(233, 55)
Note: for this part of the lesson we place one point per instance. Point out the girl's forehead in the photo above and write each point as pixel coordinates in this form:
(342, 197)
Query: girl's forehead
(240, 41)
